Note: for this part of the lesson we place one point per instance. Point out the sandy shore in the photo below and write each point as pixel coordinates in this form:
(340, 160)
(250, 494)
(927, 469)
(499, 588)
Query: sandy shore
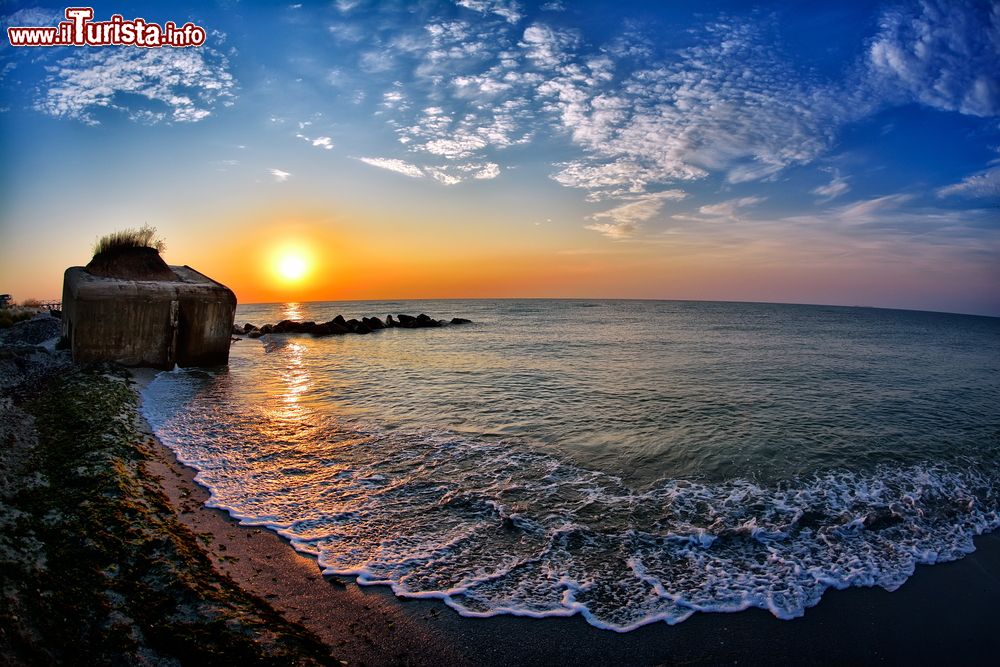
(359, 625)
(944, 612)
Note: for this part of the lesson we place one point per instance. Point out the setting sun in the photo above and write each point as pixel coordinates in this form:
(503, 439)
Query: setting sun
(290, 263)
(292, 268)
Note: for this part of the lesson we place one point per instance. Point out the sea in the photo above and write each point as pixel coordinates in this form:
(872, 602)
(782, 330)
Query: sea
(628, 461)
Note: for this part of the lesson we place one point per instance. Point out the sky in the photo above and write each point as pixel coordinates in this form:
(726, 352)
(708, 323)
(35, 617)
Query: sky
(839, 153)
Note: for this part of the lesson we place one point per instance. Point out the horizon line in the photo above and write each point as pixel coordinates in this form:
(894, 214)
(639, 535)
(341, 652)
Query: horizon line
(644, 299)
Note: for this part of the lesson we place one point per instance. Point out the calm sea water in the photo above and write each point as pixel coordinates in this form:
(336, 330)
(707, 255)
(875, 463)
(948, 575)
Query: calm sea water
(630, 461)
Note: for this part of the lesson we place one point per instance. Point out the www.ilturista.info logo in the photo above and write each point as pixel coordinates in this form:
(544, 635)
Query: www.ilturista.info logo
(80, 30)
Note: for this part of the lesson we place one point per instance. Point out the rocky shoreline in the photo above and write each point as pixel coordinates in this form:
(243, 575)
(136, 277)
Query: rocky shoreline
(339, 326)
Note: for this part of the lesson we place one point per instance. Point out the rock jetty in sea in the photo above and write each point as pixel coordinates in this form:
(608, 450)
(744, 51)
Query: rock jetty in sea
(339, 326)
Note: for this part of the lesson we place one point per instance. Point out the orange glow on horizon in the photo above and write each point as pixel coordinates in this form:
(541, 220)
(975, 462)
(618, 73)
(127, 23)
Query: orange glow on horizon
(294, 252)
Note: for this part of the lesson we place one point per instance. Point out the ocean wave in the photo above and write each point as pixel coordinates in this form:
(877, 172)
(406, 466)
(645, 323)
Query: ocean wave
(495, 527)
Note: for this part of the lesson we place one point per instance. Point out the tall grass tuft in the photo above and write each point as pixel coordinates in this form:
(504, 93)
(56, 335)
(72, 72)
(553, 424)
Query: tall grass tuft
(143, 237)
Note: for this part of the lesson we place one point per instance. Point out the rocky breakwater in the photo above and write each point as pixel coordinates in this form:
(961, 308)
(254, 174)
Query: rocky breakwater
(339, 326)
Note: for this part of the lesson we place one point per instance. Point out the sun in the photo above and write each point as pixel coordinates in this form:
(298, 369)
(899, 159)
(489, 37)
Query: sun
(291, 264)
(292, 268)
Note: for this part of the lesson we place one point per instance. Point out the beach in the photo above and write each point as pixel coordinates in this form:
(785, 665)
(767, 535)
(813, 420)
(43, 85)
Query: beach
(944, 612)
(358, 624)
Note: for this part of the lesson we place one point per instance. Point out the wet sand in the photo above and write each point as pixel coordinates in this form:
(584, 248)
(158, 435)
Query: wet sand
(947, 612)
(358, 624)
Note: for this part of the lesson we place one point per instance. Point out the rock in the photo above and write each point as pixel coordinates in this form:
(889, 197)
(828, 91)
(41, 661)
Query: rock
(36, 330)
(337, 328)
(424, 320)
(338, 325)
(237, 331)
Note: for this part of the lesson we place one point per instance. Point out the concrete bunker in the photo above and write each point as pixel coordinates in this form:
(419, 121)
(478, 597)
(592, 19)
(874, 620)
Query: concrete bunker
(174, 315)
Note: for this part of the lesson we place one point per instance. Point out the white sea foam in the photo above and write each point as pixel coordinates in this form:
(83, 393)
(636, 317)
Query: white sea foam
(495, 527)
(766, 453)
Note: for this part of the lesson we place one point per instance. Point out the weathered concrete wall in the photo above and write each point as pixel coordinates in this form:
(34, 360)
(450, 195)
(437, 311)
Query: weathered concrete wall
(205, 320)
(148, 323)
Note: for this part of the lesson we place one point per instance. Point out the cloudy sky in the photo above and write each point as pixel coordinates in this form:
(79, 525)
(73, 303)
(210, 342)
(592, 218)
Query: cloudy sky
(843, 153)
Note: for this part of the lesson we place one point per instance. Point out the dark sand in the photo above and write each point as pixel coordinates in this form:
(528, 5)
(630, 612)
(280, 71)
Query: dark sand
(948, 612)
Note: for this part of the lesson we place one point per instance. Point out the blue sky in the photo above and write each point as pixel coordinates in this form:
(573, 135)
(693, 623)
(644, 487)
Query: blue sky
(847, 153)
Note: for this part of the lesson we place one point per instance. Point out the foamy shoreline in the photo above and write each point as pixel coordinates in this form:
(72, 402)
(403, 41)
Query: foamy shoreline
(357, 624)
(860, 625)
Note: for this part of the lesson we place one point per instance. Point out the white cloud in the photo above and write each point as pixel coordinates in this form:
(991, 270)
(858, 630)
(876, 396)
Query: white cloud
(643, 116)
(345, 32)
(279, 176)
(486, 171)
(33, 16)
(942, 54)
(442, 134)
(837, 186)
(394, 99)
(479, 170)
(441, 175)
(613, 230)
(392, 164)
(461, 146)
(184, 85)
(377, 61)
(453, 174)
(869, 210)
(345, 6)
(323, 142)
(729, 208)
(615, 179)
(547, 46)
(508, 10)
(627, 218)
(714, 108)
(985, 184)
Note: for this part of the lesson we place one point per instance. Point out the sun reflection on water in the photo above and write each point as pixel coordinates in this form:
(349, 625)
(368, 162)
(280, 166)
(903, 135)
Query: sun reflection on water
(294, 383)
